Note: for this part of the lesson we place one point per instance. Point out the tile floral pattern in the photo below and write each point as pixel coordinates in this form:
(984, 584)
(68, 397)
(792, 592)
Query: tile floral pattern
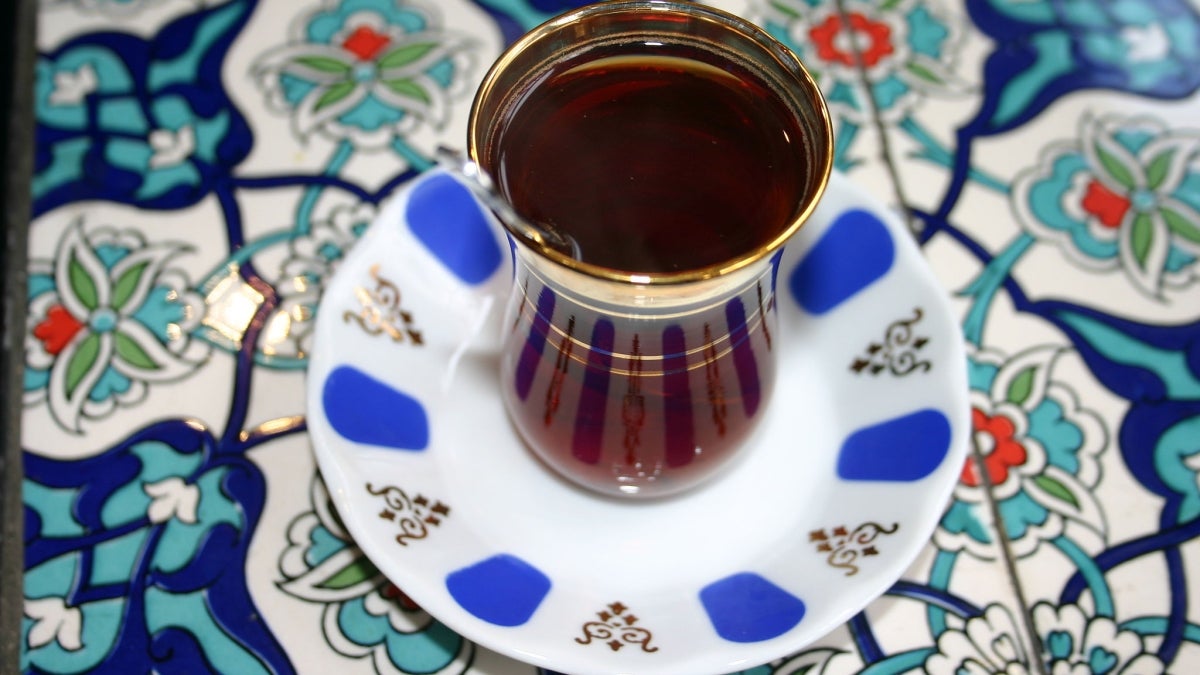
(367, 73)
(874, 61)
(1118, 196)
(110, 316)
(203, 165)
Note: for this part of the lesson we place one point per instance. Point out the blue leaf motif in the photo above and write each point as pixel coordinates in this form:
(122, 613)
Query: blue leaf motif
(1139, 362)
(1047, 49)
(140, 122)
(1157, 369)
(99, 542)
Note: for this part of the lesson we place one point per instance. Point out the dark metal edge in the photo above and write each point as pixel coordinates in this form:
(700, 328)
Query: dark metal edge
(16, 148)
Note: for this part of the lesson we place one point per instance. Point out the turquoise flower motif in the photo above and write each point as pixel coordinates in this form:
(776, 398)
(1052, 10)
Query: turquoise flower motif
(366, 70)
(907, 51)
(1040, 454)
(988, 644)
(1076, 644)
(107, 317)
(365, 616)
(1072, 642)
(1124, 196)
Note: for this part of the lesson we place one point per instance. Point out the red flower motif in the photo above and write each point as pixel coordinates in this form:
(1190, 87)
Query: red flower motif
(875, 39)
(1107, 206)
(1000, 450)
(365, 43)
(57, 330)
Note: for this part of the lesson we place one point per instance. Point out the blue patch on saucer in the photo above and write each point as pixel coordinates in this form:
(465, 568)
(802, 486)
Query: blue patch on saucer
(447, 220)
(745, 607)
(503, 590)
(365, 410)
(855, 252)
(906, 448)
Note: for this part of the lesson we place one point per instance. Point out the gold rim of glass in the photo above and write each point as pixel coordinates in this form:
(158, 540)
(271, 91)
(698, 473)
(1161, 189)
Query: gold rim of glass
(800, 82)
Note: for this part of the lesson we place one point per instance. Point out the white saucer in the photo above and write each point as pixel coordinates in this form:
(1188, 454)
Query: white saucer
(844, 484)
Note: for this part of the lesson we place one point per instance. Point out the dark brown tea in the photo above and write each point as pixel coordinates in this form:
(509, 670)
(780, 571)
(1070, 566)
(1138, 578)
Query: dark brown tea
(627, 407)
(655, 162)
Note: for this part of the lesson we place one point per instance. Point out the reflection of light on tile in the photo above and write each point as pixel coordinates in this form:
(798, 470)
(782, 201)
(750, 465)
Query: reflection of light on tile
(231, 304)
(276, 332)
(174, 332)
(272, 427)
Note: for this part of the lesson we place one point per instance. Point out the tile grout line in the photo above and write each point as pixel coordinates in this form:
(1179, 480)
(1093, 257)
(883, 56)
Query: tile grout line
(1036, 661)
(1010, 563)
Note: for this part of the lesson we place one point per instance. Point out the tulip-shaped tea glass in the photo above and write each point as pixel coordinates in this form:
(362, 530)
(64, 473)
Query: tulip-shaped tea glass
(652, 157)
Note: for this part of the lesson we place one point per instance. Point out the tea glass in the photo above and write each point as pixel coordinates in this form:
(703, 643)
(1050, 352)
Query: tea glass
(626, 379)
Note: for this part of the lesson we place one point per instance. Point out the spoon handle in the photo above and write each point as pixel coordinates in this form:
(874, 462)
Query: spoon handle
(484, 189)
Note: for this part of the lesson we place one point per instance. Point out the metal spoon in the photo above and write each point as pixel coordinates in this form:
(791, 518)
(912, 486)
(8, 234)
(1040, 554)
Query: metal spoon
(481, 185)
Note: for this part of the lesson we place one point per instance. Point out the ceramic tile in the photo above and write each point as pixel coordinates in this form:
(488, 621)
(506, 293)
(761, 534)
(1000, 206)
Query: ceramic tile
(191, 198)
(146, 354)
(1050, 162)
(1116, 556)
